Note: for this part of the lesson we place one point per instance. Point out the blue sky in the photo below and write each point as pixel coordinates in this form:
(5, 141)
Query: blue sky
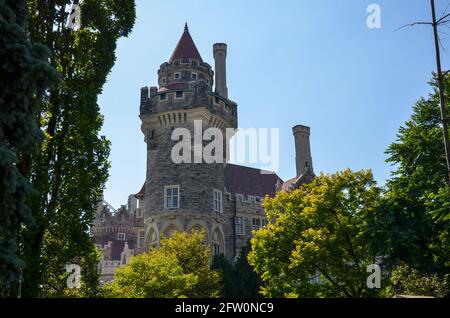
(289, 62)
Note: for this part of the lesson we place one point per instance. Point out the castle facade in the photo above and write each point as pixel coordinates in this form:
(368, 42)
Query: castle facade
(221, 198)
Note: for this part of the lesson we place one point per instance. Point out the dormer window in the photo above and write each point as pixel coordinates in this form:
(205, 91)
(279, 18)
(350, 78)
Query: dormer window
(177, 76)
(194, 76)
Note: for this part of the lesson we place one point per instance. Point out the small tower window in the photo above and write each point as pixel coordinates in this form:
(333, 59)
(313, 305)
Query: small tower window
(194, 76)
(176, 75)
(217, 201)
(179, 94)
(163, 80)
(171, 197)
(163, 96)
(207, 81)
(121, 236)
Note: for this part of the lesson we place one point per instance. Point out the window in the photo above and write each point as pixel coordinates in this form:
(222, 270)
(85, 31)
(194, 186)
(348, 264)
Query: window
(171, 197)
(256, 223)
(207, 81)
(176, 76)
(263, 222)
(194, 76)
(121, 236)
(216, 249)
(164, 80)
(217, 201)
(138, 212)
(141, 240)
(216, 100)
(239, 222)
(163, 96)
(179, 94)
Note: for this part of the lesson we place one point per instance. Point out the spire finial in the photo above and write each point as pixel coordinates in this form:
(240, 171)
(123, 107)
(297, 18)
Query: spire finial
(186, 29)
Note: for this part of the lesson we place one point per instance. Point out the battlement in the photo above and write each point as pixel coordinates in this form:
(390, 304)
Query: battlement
(300, 129)
(174, 106)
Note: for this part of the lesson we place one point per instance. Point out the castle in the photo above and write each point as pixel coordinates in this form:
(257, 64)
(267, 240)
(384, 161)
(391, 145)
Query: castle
(221, 198)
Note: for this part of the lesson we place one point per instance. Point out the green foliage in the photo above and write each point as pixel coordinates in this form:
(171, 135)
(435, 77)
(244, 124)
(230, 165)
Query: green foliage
(71, 167)
(238, 279)
(409, 281)
(179, 268)
(318, 229)
(25, 74)
(413, 225)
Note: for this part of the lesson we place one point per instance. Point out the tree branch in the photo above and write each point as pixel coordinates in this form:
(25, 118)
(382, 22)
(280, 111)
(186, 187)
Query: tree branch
(413, 24)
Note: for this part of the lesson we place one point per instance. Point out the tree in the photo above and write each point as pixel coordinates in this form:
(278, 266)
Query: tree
(413, 226)
(238, 278)
(26, 75)
(315, 244)
(71, 167)
(408, 281)
(179, 268)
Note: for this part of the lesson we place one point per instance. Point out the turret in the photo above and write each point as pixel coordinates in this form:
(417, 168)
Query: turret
(220, 56)
(303, 159)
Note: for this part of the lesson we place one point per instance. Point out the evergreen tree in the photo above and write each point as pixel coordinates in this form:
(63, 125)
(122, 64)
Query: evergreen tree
(238, 279)
(24, 77)
(413, 226)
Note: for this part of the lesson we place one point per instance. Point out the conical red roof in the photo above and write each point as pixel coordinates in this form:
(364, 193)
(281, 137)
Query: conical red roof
(186, 48)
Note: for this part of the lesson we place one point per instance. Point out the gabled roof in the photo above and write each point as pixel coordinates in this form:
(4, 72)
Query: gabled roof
(250, 181)
(185, 48)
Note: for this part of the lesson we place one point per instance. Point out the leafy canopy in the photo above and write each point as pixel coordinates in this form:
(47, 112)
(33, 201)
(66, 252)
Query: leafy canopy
(179, 268)
(318, 230)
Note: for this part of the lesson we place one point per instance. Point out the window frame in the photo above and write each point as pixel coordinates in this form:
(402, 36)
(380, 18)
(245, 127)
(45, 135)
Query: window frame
(182, 95)
(194, 76)
(119, 235)
(141, 238)
(219, 200)
(256, 225)
(175, 75)
(166, 207)
(239, 225)
(216, 248)
(162, 97)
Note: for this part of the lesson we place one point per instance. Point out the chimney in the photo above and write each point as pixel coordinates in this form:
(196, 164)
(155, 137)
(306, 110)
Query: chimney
(220, 56)
(303, 159)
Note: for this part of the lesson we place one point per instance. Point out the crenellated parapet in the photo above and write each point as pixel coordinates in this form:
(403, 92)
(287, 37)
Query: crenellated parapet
(173, 105)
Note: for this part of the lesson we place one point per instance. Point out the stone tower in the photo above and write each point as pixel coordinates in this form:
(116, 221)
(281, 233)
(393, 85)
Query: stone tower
(181, 196)
(303, 159)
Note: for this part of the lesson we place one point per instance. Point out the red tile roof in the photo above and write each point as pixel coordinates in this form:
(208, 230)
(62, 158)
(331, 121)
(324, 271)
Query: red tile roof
(185, 48)
(247, 181)
(173, 86)
(250, 181)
